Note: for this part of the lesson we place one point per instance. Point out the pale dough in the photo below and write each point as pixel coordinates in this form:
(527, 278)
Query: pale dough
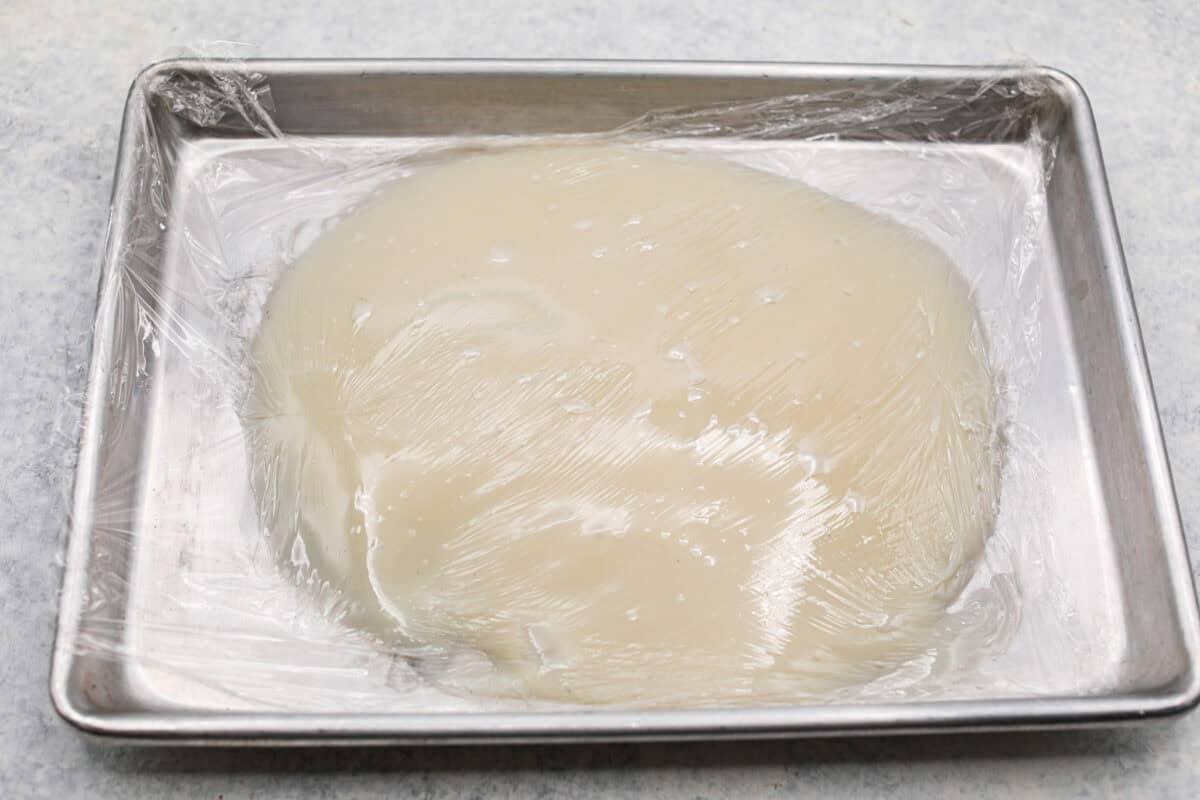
(637, 427)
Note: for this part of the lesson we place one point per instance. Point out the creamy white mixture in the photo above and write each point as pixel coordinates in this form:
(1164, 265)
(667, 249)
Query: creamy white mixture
(620, 426)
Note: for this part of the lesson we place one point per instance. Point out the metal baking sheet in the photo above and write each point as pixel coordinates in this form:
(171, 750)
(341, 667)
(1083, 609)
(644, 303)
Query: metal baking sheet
(1113, 512)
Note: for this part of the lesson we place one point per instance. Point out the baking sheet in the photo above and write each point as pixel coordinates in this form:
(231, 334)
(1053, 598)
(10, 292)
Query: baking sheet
(153, 520)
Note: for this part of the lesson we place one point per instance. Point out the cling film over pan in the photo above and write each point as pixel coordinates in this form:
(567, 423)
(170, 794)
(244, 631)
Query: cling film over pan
(719, 406)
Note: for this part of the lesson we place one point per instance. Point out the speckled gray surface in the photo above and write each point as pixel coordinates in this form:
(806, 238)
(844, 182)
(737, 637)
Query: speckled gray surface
(65, 71)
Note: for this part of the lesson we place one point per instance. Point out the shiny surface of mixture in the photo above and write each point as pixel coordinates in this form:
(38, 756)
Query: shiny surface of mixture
(598, 424)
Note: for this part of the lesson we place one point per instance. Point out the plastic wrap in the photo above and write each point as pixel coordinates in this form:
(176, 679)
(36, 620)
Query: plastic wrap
(576, 375)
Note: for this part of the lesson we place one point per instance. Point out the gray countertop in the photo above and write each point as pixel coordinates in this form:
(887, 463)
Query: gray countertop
(66, 68)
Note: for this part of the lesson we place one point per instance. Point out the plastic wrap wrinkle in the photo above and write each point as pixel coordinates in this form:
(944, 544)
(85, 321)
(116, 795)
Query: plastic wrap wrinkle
(657, 444)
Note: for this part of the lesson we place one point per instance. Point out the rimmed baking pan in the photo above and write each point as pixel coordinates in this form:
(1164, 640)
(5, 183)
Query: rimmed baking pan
(151, 644)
